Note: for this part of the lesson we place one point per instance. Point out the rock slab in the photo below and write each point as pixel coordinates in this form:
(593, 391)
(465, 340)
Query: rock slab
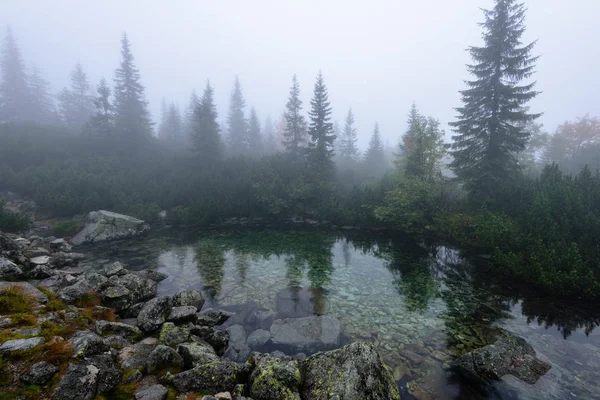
(101, 226)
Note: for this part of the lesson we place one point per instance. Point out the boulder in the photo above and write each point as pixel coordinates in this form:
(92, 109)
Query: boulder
(216, 338)
(87, 343)
(96, 280)
(274, 378)
(105, 328)
(40, 272)
(172, 335)
(189, 298)
(9, 270)
(308, 334)
(355, 371)
(258, 338)
(115, 268)
(154, 313)
(39, 373)
(152, 274)
(182, 314)
(510, 355)
(211, 316)
(196, 353)
(60, 245)
(76, 291)
(154, 392)
(163, 357)
(122, 292)
(101, 226)
(20, 344)
(237, 349)
(85, 380)
(27, 288)
(218, 376)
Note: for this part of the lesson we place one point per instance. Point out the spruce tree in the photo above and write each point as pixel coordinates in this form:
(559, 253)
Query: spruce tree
(237, 129)
(375, 159)
(43, 110)
(162, 125)
(189, 115)
(255, 143)
(489, 130)
(269, 134)
(102, 121)
(132, 119)
(206, 139)
(320, 149)
(174, 132)
(76, 104)
(294, 135)
(349, 153)
(15, 95)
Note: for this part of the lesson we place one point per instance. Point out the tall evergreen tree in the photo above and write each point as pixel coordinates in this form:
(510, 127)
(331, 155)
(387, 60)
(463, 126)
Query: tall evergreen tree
(349, 153)
(132, 119)
(162, 125)
(294, 136)
(320, 150)
(237, 127)
(489, 130)
(269, 134)
(189, 115)
(375, 159)
(102, 122)
(76, 104)
(42, 107)
(255, 142)
(15, 96)
(206, 139)
(175, 125)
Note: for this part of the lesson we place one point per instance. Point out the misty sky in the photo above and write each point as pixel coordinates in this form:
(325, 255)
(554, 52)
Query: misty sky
(376, 56)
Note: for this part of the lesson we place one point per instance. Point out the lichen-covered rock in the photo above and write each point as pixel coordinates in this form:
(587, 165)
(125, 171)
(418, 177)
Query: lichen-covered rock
(20, 344)
(76, 291)
(114, 268)
(355, 371)
(39, 373)
(40, 272)
(274, 378)
(189, 298)
(213, 316)
(85, 380)
(172, 335)
(218, 339)
(122, 292)
(151, 274)
(196, 353)
(510, 355)
(182, 314)
(103, 225)
(27, 288)
(308, 334)
(154, 313)
(218, 376)
(106, 328)
(9, 270)
(154, 392)
(163, 357)
(87, 343)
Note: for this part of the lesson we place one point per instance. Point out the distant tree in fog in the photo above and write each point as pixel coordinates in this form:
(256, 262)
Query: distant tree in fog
(15, 94)
(270, 139)
(205, 133)
(375, 160)
(188, 118)
(171, 125)
(320, 129)
(102, 121)
(575, 144)
(294, 135)
(132, 119)
(76, 103)
(255, 141)
(348, 151)
(43, 109)
(237, 127)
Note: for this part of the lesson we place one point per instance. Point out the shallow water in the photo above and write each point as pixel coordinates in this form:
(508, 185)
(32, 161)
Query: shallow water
(422, 304)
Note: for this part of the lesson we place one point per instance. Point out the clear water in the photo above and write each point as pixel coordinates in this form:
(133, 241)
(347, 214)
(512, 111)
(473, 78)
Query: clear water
(421, 304)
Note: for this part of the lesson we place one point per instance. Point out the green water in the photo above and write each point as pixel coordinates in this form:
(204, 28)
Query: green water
(422, 304)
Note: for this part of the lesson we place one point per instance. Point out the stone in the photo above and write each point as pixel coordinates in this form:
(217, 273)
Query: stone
(510, 355)
(83, 381)
(172, 335)
(60, 245)
(154, 392)
(163, 357)
(294, 303)
(105, 328)
(39, 373)
(96, 280)
(36, 252)
(218, 339)
(27, 288)
(195, 354)
(133, 311)
(223, 396)
(20, 344)
(115, 268)
(237, 349)
(104, 225)
(41, 260)
(274, 378)
(109, 376)
(76, 291)
(87, 343)
(116, 342)
(308, 334)
(218, 376)
(189, 298)
(41, 272)
(122, 292)
(218, 316)
(414, 358)
(154, 313)
(151, 274)
(258, 338)
(9, 270)
(182, 314)
(355, 371)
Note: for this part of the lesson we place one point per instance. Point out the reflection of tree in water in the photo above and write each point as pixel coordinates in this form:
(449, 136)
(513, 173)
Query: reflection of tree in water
(346, 251)
(241, 263)
(210, 260)
(564, 317)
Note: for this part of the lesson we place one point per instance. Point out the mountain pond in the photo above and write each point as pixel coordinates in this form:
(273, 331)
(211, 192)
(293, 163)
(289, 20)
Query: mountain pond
(421, 303)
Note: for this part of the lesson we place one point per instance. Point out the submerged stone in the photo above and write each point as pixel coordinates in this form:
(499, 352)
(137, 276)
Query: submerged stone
(309, 334)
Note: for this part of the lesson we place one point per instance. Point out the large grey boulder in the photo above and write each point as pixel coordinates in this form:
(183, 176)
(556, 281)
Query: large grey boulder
(39, 373)
(76, 291)
(218, 376)
(172, 335)
(510, 355)
(189, 298)
(154, 313)
(87, 343)
(355, 371)
(106, 328)
(274, 378)
(20, 344)
(218, 339)
(163, 357)
(237, 349)
(197, 353)
(101, 226)
(9, 270)
(122, 292)
(258, 338)
(85, 380)
(154, 392)
(306, 335)
(182, 314)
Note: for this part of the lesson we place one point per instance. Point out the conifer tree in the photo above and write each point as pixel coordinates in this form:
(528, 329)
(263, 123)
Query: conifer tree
(206, 139)
(76, 104)
(15, 95)
(42, 107)
(294, 135)
(320, 150)
(269, 134)
(162, 125)
(255, 142)
(489, 130)
(132, 119)
(375, 159)
(348, 151)
(189, 115)
(102, 122)
(237, 127)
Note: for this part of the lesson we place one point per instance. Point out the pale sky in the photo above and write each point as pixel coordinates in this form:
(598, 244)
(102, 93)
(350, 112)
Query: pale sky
(376, 56)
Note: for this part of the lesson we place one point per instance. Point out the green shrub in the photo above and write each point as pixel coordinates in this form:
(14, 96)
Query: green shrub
(13, 222)
(66, 228)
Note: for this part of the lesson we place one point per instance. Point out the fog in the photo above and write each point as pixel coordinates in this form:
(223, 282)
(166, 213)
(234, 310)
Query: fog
(378, 57)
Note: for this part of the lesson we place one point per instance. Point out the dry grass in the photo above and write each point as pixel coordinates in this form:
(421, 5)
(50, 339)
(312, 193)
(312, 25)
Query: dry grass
(15, 300)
